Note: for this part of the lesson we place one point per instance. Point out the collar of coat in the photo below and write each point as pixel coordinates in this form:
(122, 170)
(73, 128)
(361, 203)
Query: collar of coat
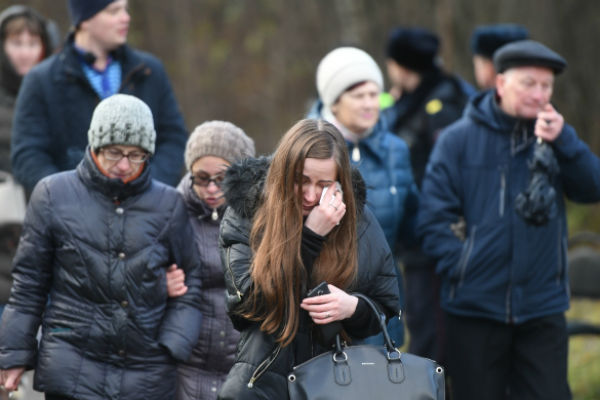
(194, 203)
(131, 62)
(244, 183)
(114, 189)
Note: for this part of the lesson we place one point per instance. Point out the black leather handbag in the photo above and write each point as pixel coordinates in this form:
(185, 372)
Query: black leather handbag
(367, 372)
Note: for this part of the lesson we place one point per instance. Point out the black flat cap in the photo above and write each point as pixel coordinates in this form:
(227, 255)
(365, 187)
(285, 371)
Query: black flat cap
(413, 48)
(527, 53)
(486, 39)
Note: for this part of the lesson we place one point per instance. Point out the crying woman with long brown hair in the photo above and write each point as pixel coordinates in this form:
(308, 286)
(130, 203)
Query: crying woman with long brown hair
(296, 219)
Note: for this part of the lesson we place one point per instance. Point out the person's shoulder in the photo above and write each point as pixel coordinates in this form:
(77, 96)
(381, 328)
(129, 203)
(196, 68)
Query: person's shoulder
(368, 224)
(44, 67)
(55, 185)
(168, 192)
(457, 131)
(59, 177)
(144, 56)
(388, 139)
(450, 91)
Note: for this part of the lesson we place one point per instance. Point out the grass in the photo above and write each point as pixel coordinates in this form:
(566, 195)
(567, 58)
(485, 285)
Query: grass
(584, 353)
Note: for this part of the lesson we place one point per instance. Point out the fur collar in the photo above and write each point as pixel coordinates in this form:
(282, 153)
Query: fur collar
(244, 182)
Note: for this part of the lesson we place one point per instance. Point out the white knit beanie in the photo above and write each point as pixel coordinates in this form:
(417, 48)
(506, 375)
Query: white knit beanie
(342, 68)
(220, 139)
(122, 119)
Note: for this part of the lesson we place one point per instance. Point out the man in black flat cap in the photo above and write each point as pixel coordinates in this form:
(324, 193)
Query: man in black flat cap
(485, 40)
(504, 276)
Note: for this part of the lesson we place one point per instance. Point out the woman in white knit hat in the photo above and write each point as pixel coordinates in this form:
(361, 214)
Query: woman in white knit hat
(211, 148)
(349, 82)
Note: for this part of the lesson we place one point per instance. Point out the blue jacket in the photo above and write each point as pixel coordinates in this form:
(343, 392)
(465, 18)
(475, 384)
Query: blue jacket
(91, 268)
(55, 105)
(391, 191)
(506, 269)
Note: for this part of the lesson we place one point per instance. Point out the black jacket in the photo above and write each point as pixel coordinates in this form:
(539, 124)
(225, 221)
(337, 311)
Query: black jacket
(419, 117)
(55, 106)
(214, 354)
(260, 361)
(91, 268)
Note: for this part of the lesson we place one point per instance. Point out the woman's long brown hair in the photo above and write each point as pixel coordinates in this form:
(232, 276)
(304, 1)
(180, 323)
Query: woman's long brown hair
(277, 270)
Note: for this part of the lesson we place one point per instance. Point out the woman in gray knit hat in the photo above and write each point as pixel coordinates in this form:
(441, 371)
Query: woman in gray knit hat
(212, 147)
(90, 270)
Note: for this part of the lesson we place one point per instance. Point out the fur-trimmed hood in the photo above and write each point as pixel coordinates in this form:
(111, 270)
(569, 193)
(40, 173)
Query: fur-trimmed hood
(244, 183)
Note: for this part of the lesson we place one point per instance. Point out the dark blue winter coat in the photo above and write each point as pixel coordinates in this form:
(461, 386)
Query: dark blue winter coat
(391, 190)
(93, 260)
(55, 105)
(506, 269)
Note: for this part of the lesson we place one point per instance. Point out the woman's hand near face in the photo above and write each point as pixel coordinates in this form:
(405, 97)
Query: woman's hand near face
(176, 281)
(337, 305)
(325, 216)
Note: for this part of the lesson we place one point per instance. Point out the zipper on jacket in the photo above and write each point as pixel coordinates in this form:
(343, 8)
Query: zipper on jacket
(502, 192)
(239, 294)
(263, 366)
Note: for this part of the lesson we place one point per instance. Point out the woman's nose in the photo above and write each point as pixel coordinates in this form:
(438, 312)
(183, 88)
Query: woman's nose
(310, 194)
(124, 164)
(212, 187)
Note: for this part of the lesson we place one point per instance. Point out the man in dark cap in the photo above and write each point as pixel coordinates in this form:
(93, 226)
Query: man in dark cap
(485, 40)
(504, 277)
(428, 100)
(57, 98)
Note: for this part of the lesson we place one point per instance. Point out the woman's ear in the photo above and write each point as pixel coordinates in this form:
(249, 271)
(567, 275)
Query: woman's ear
(334, 108)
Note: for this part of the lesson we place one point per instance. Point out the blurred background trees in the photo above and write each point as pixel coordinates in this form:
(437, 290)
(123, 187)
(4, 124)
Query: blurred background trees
(253, 62)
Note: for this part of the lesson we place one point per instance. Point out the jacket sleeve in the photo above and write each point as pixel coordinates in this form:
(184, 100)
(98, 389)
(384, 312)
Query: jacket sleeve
(441, 204)
(31, 160)
(236, 256)
(180, 328)
(378, 280)
(32, 276)
(579, 167)
(171, 134)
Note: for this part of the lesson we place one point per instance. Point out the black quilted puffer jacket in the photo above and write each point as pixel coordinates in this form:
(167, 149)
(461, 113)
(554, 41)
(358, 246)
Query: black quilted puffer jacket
(261, 367)
(90, 267)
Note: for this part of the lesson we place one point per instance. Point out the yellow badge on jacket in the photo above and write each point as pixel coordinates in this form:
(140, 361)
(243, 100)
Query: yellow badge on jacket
(433, 106)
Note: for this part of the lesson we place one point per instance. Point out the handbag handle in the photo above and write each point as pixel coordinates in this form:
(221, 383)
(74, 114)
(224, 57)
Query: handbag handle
(380, 317)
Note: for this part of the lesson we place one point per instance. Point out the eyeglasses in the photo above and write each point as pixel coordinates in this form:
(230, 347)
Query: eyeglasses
(114, 154)
(203, 179)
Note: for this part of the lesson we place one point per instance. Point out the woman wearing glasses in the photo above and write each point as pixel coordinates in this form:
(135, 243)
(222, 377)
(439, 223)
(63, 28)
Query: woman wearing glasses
(212, 147)
(90, 269)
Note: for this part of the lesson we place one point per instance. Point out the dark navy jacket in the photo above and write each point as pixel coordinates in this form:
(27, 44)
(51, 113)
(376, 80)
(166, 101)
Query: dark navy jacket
(391, 191)
(55, 105)
(506, 269)
(91, 267)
